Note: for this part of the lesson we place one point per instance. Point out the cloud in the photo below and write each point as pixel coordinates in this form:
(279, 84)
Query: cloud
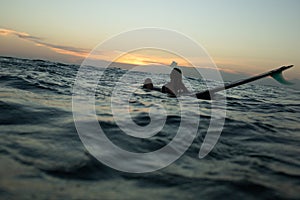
(68, 50)
(141, 58)
(62, 49)
(150, 56)
(21, 35)
(74, 51)
(137, 58)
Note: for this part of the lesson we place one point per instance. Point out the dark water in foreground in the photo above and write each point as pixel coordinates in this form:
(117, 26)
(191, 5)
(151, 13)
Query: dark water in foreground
(42, 157)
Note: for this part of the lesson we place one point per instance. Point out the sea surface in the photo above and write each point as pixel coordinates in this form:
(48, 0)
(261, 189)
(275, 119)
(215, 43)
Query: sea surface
(42, 157)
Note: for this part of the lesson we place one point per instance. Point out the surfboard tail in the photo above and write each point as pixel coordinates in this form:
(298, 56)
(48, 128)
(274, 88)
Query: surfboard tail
(278, 76)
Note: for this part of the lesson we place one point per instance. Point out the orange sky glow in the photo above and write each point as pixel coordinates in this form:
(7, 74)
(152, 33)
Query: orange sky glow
(139, 57)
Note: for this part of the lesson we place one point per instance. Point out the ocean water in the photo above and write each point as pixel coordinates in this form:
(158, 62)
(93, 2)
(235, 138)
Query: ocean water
(42, 157)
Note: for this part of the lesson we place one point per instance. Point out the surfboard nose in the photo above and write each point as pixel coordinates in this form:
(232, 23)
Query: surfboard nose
(286, 67)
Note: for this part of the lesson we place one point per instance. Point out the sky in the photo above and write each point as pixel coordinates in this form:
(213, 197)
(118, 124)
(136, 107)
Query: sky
(241, 36)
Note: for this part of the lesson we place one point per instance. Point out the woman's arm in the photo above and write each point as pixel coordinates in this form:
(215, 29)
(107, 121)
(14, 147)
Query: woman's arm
(166, 89)
(184, 89)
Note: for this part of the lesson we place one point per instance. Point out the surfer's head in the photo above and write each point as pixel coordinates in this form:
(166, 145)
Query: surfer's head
(148, 84)
(176, 75)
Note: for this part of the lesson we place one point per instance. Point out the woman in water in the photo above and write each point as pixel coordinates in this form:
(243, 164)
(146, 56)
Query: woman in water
(175, 86)
(148, 84)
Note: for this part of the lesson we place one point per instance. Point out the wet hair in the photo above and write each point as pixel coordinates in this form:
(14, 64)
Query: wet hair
(148, 84)
(147, 81)
(178, 70)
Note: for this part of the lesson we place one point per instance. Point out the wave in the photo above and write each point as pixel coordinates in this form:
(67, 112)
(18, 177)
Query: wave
(257, 155)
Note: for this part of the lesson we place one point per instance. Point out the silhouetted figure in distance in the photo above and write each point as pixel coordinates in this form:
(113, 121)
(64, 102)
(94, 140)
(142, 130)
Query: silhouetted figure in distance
(148, 84)
(175, 86)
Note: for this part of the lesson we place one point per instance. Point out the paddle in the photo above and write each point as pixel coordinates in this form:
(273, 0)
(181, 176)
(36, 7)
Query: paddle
(275, 73)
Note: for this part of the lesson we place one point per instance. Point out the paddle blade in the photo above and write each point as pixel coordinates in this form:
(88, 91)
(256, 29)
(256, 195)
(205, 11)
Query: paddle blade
(279, 77)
